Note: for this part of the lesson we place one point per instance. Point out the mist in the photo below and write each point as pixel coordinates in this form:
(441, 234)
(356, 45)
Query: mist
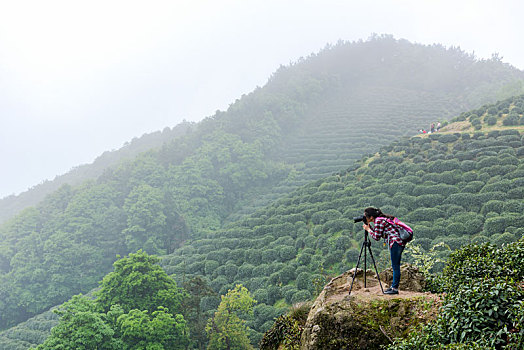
(78, 79)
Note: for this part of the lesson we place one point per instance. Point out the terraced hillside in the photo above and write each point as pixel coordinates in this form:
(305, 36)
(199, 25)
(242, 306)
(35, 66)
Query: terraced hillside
(381, 79)
(343, 128)
(451, 187)
(265, 145)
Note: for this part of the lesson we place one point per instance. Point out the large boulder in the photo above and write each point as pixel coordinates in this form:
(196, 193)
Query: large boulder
(367, 319)
(411, 279)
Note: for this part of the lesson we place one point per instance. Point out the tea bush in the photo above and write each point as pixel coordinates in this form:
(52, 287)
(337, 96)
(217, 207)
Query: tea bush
(483, 305)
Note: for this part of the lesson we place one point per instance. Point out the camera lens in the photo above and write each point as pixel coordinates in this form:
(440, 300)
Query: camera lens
(359, 218)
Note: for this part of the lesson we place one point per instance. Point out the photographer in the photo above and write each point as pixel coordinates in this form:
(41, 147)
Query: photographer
(384, 229)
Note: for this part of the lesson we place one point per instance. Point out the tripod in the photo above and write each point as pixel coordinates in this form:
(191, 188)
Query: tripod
(365, 244)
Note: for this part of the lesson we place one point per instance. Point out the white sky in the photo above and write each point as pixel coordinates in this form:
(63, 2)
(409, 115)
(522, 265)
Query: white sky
(78, 78)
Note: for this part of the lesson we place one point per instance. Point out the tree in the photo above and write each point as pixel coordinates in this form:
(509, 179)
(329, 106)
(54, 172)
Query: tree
(146, 221)
(197, 290)
(226, 329)
(81, 327)
(139, 283)
(136, 308)
(159, 331)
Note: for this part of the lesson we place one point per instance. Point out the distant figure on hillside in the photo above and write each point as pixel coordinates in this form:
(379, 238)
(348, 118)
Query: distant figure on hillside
(432, 127)
(384, 228)
(438, 126)
(422, 131)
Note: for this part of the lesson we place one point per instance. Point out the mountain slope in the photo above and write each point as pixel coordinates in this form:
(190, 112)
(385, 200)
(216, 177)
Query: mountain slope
(311, 118)
(450, 187)
(393, 76)
(12, 205)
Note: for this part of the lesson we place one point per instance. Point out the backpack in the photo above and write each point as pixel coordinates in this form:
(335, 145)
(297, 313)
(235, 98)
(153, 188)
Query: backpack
(406, 232)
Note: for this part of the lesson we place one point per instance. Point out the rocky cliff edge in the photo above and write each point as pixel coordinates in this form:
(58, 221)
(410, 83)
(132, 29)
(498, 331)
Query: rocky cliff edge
(367, 318)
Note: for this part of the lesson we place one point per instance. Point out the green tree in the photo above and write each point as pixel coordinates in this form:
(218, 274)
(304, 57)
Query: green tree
(81, 327)
(146, 221)
(197, 290)
(227, 330)
(136, 308)
(160, 331)
(139, 283)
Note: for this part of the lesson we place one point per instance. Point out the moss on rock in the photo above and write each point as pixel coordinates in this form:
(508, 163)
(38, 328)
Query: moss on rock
(353, 323)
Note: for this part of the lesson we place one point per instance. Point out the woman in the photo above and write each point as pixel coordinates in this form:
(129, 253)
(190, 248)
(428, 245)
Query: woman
(383, 228)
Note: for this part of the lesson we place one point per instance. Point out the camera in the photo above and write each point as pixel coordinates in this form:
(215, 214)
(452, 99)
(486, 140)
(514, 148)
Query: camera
(360, 218)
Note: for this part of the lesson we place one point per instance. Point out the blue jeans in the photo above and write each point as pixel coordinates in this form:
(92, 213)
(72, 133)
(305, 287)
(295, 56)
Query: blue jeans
(396, 254)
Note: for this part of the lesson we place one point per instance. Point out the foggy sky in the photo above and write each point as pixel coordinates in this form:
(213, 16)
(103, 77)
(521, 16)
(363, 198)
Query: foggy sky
(78, 78)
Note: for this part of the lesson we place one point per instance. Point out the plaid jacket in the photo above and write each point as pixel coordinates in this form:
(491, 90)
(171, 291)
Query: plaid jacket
(386, 230)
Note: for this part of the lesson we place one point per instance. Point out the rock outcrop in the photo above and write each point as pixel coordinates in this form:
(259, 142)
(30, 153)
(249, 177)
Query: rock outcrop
(367, 319)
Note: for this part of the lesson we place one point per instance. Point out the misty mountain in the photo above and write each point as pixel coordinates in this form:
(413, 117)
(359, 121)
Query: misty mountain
(13, 204)
(311, 119)
(460, 185)
(328, 95)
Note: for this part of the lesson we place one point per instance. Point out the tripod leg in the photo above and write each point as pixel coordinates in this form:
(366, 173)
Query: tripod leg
(376, 270)
(365, 266)
(356, 268)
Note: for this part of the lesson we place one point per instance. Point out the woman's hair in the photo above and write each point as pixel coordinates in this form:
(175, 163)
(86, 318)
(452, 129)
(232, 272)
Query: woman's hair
(375, 212)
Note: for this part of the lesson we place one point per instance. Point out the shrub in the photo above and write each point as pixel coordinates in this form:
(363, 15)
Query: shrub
(287, 253)
(456, 228)
(230, 271)
(218, 283)
(448, 138)
(492, 110)
(471, 262)
(466, 200)
(504, 238)
(484, 310)
(426, 214)
(260, 270)
(301, 295)
(270, 255)
(455, 242)
(429, 200)
(476, 122)
(304, 281)
(261, 295)
(337, 225)
(210, 266)
(285, 331)
(512, 119)
(467, 165)
(513, 206)
(494, 206)
(483, 306)
(352, 255)
(245, 271)
(257, 283)
(494, 225)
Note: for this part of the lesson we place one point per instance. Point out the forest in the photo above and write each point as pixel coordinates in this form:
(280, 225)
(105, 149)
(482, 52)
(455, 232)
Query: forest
(310, 112)
(253, 203)
(454, 188)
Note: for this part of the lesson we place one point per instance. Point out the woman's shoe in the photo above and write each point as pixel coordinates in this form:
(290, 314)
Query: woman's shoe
(391, 291)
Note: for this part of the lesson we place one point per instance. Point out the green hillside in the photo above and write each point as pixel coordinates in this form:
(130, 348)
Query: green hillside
(329, 93)
(451, 187)
(462, 184)
(311, 119)
(14, 204)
